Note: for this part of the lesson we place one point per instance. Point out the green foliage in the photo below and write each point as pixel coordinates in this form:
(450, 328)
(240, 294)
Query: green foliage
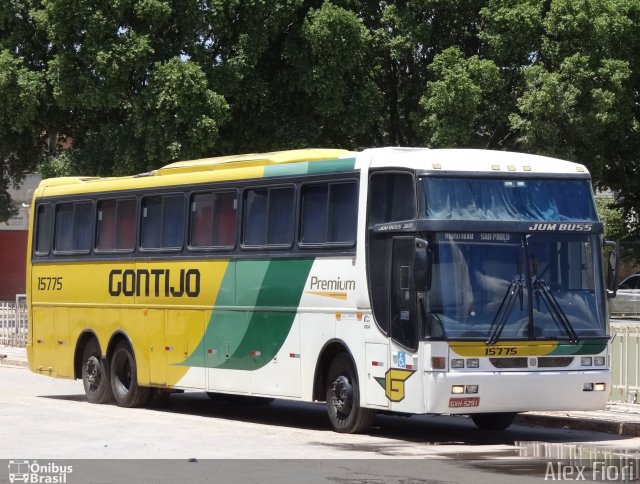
(21, 143)
(459, 101)
(621, 227)
(139, 83)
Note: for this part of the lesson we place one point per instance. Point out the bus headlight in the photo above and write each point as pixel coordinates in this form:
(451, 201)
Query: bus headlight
(473, 363)
(457, 363)
(457, 389)
(599, 360)
(590, 387)
(586, 361)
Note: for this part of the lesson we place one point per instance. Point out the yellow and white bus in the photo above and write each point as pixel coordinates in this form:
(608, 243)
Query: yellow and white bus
(401, 280)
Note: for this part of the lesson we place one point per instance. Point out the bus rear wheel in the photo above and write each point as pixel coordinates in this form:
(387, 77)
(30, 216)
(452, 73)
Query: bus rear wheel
(124, 380)
(95, 374)
(493, 421)
(343, 398)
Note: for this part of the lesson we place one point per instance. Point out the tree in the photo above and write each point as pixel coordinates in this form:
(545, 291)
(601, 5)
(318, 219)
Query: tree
(462, 102)
(22, 140)
(139, 83)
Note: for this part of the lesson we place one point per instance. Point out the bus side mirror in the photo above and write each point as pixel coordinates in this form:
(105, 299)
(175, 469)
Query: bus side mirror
(612, 268)
(421, 266)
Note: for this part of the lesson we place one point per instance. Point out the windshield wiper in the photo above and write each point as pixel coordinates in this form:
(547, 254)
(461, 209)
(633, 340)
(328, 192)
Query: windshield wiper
(543, 291)
(514, 290)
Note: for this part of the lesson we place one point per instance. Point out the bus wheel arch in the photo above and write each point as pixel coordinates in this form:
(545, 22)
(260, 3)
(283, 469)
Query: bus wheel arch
(343, 398)
(336, 382)
(123, 373)
(81, 344)
(93, 368)
(330, 350)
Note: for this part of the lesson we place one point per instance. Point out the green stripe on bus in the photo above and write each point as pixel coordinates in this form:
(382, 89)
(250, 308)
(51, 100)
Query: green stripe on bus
(287, 169)
(332, 166)
(273, 287)
(584, 348)
(312, 167)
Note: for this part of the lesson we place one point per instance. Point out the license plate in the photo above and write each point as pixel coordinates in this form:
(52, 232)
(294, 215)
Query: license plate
(464, 402)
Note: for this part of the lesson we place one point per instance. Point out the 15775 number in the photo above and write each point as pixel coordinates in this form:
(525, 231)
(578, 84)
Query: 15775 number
(501, 351)
(49, 283)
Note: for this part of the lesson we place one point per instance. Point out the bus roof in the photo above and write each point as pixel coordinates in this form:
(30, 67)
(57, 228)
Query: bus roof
(252, 159)
(316, 160)
(471, 161)
(235, 167)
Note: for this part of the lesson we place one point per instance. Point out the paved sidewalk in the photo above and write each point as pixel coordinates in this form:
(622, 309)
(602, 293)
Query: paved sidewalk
(13, 356)
(618, 418)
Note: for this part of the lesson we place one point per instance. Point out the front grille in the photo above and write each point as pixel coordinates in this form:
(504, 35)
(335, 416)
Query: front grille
(509, 362)
(554, 361)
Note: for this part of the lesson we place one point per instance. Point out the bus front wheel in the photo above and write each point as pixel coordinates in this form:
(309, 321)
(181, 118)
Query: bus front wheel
(493, 421)
(343, 398)
(124, 380)
(95, 374)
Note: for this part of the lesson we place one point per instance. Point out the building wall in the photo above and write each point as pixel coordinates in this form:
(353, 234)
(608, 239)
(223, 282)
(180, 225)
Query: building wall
(13, 241)
(13, 263)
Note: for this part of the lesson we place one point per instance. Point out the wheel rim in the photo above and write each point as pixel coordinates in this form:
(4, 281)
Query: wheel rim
(342, 396)
(93, 373)
(123, 373)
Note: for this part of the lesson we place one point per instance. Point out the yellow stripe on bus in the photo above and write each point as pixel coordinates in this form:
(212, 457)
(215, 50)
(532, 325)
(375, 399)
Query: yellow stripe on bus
(503, 348)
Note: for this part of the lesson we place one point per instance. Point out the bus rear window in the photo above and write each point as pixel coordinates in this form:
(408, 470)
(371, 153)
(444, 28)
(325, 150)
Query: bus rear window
(116, 225)
(43, 229)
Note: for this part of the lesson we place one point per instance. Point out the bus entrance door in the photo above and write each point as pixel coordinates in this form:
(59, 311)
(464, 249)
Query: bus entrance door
(403, 295)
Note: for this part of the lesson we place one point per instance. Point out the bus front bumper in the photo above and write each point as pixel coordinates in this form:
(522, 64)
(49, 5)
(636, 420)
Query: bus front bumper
(453, 393)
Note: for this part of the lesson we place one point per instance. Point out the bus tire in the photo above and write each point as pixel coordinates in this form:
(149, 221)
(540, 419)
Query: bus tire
(124, 379)
(95, 374)
(493, 421)
(343, 398)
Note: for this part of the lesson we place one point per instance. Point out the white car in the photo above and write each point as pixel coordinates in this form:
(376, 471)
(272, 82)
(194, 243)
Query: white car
(627, 300)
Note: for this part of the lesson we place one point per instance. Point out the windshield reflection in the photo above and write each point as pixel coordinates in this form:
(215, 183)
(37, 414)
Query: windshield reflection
(483, 287)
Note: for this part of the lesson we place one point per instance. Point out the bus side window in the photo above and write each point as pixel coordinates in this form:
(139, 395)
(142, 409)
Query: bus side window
(43, 229)
(329, 213)
(343, 212)
(116, 225)
(314, 214)
(126, 225)
(391, 198)
(73, 227)
(163, 222)
(106, 225)
(269, 217)
(213, 220)
(227, 209)
(173, 222)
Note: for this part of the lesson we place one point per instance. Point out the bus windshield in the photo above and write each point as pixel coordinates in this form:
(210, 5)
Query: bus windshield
(458, 198)
(493, 286)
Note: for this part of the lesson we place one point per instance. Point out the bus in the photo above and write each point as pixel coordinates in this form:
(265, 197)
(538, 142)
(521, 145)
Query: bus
(396, 280)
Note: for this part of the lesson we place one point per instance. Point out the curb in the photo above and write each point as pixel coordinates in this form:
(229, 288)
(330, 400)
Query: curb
(589, 425)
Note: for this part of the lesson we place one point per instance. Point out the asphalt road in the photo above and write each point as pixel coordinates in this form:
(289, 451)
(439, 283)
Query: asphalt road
(49, 419)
